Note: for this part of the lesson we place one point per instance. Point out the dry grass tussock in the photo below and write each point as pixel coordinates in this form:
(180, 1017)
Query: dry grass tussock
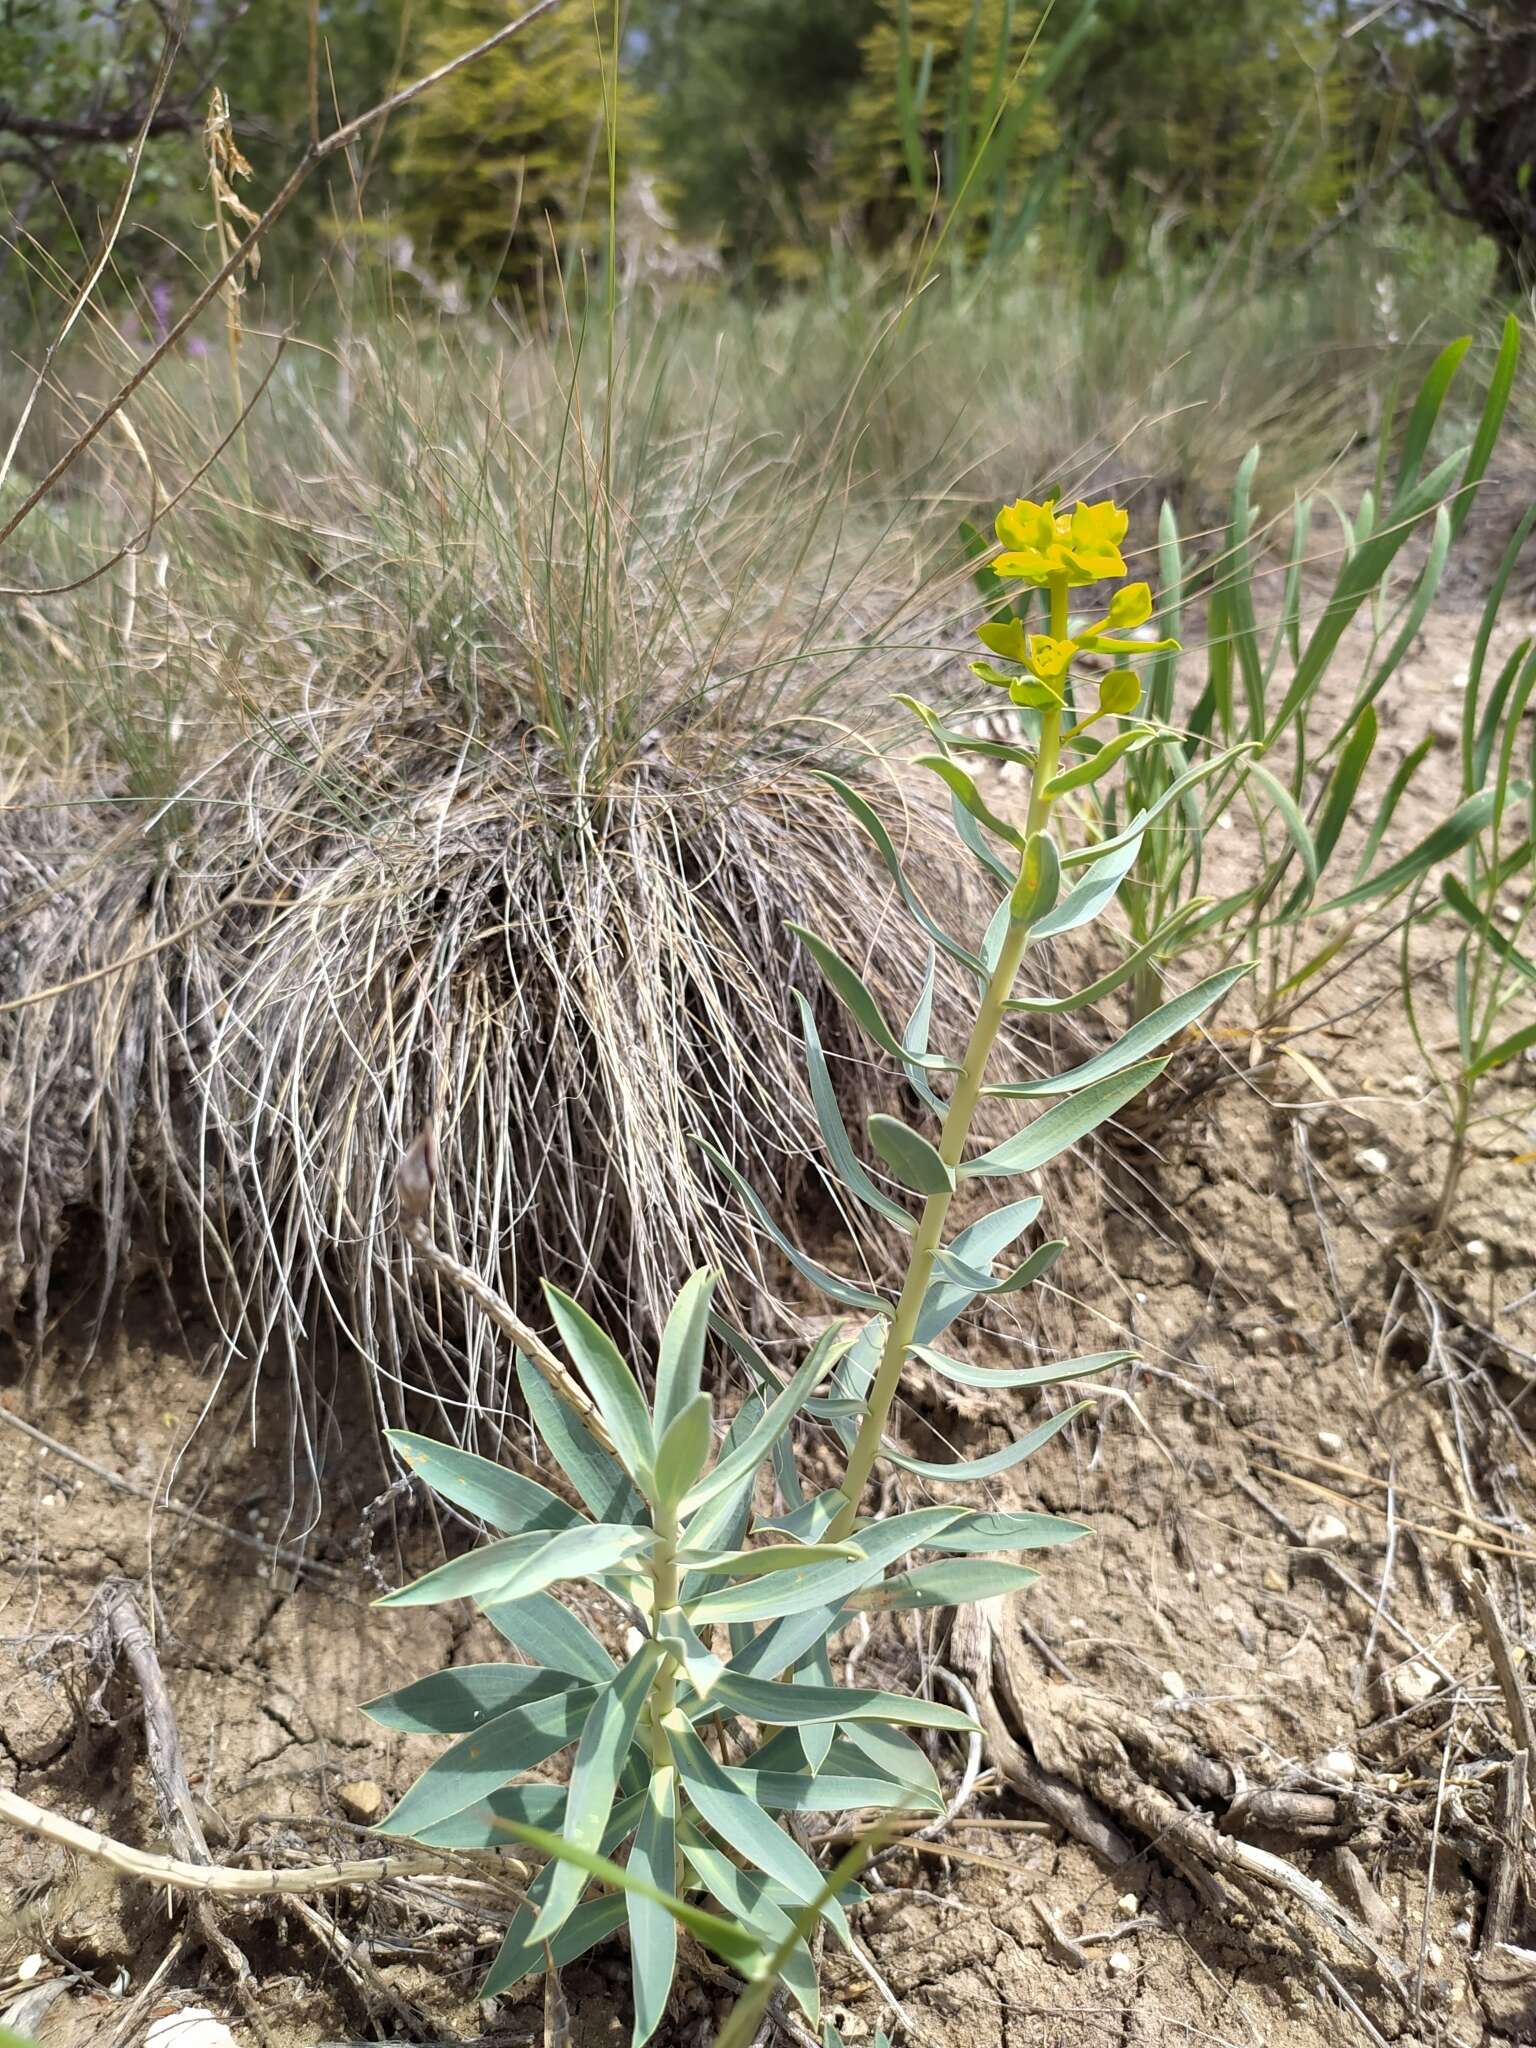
(451, 766)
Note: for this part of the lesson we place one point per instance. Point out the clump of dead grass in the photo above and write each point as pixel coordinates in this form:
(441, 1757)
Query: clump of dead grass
(459, 773)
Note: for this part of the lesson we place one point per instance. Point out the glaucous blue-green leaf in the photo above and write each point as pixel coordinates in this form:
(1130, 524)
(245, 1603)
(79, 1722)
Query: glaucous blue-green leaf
(793, 1706)
(1060, 1128)
(999, 1461)
(584, 1552)
(910, 1157)
(757, 1560)
(677, 1635)
(866, 1744)
(475, 1576)
(609, 1381)
(518, 1956)
(1143, 1037)
(506, 1500)
(599, 1479)
(1080, 856)
(885, 847)
(553, 1636)
(484, 1825)
(776, 1418)
(481, 1762)
(723, 1521)
(834, 1132)
(652, 1929)
(975, 1246)
(452, 1702)
(1087, 898)
(743, 1950)
(1065, 1369)
(683, 1450)
(804, 1790)
(604, 1744)
(786, 1642)
(1025, 1274)
(914, 1040)
(750, 1832)
(1009, 1532)
(950, 1584)
(856, 999)
(680, 1360)
(833, 1285)
(745, 1894)
(817, 1585)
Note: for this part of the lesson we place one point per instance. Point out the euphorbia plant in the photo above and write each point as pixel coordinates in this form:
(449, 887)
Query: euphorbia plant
(723, 1713)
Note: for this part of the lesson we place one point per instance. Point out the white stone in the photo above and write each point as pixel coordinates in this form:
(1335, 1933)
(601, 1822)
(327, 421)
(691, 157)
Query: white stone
(1173, 1684)
(1077, 1625)
(1326, 1531)
(1330, 1442)
(1120, 1962)
(1413, 1683)
(1372, 1160)
(1129, 1904)
(1338, 1763)
(28, 1968)
(1224, 1613)
(1476, 1248)
(49, 1500)
(194, 2027)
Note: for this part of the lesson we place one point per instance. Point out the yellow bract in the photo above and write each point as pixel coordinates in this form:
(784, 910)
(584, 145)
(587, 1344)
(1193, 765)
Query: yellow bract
(1047, 658)
(1005, 638)
(1130, 607)
(1041, 544)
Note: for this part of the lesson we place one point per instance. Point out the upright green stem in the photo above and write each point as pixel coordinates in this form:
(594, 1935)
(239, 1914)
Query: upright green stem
(952, 1141)
(664, 1592)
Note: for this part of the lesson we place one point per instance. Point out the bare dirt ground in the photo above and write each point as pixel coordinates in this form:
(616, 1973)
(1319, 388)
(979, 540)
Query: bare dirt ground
(1270, 1649)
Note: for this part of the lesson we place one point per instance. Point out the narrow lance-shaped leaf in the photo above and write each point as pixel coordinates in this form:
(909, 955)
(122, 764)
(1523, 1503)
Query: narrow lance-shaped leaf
(776, 1418)
(600, 1480)
(745, 1826)
(885, 847)
(600, 1755)
(849, 988)
(609, 1381)
(1152, 1031)
(504, 1499)
(910, 1156)
(652, 1929)
(959, 1470)
(834, 1132)
(454, 1701)
(482, 1762)
(954, 1583)
(683, 1450)
(846, 1292)
(680, 1362)
(733, 1944)
(1060, 1128)
(552, 1636)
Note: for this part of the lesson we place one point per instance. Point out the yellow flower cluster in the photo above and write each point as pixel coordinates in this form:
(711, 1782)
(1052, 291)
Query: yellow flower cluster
(1058, 550)
(1040, 543)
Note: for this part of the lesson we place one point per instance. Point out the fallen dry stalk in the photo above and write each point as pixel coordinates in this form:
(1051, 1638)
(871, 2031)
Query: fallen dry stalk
(223, 1879)
(1463, 1537)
